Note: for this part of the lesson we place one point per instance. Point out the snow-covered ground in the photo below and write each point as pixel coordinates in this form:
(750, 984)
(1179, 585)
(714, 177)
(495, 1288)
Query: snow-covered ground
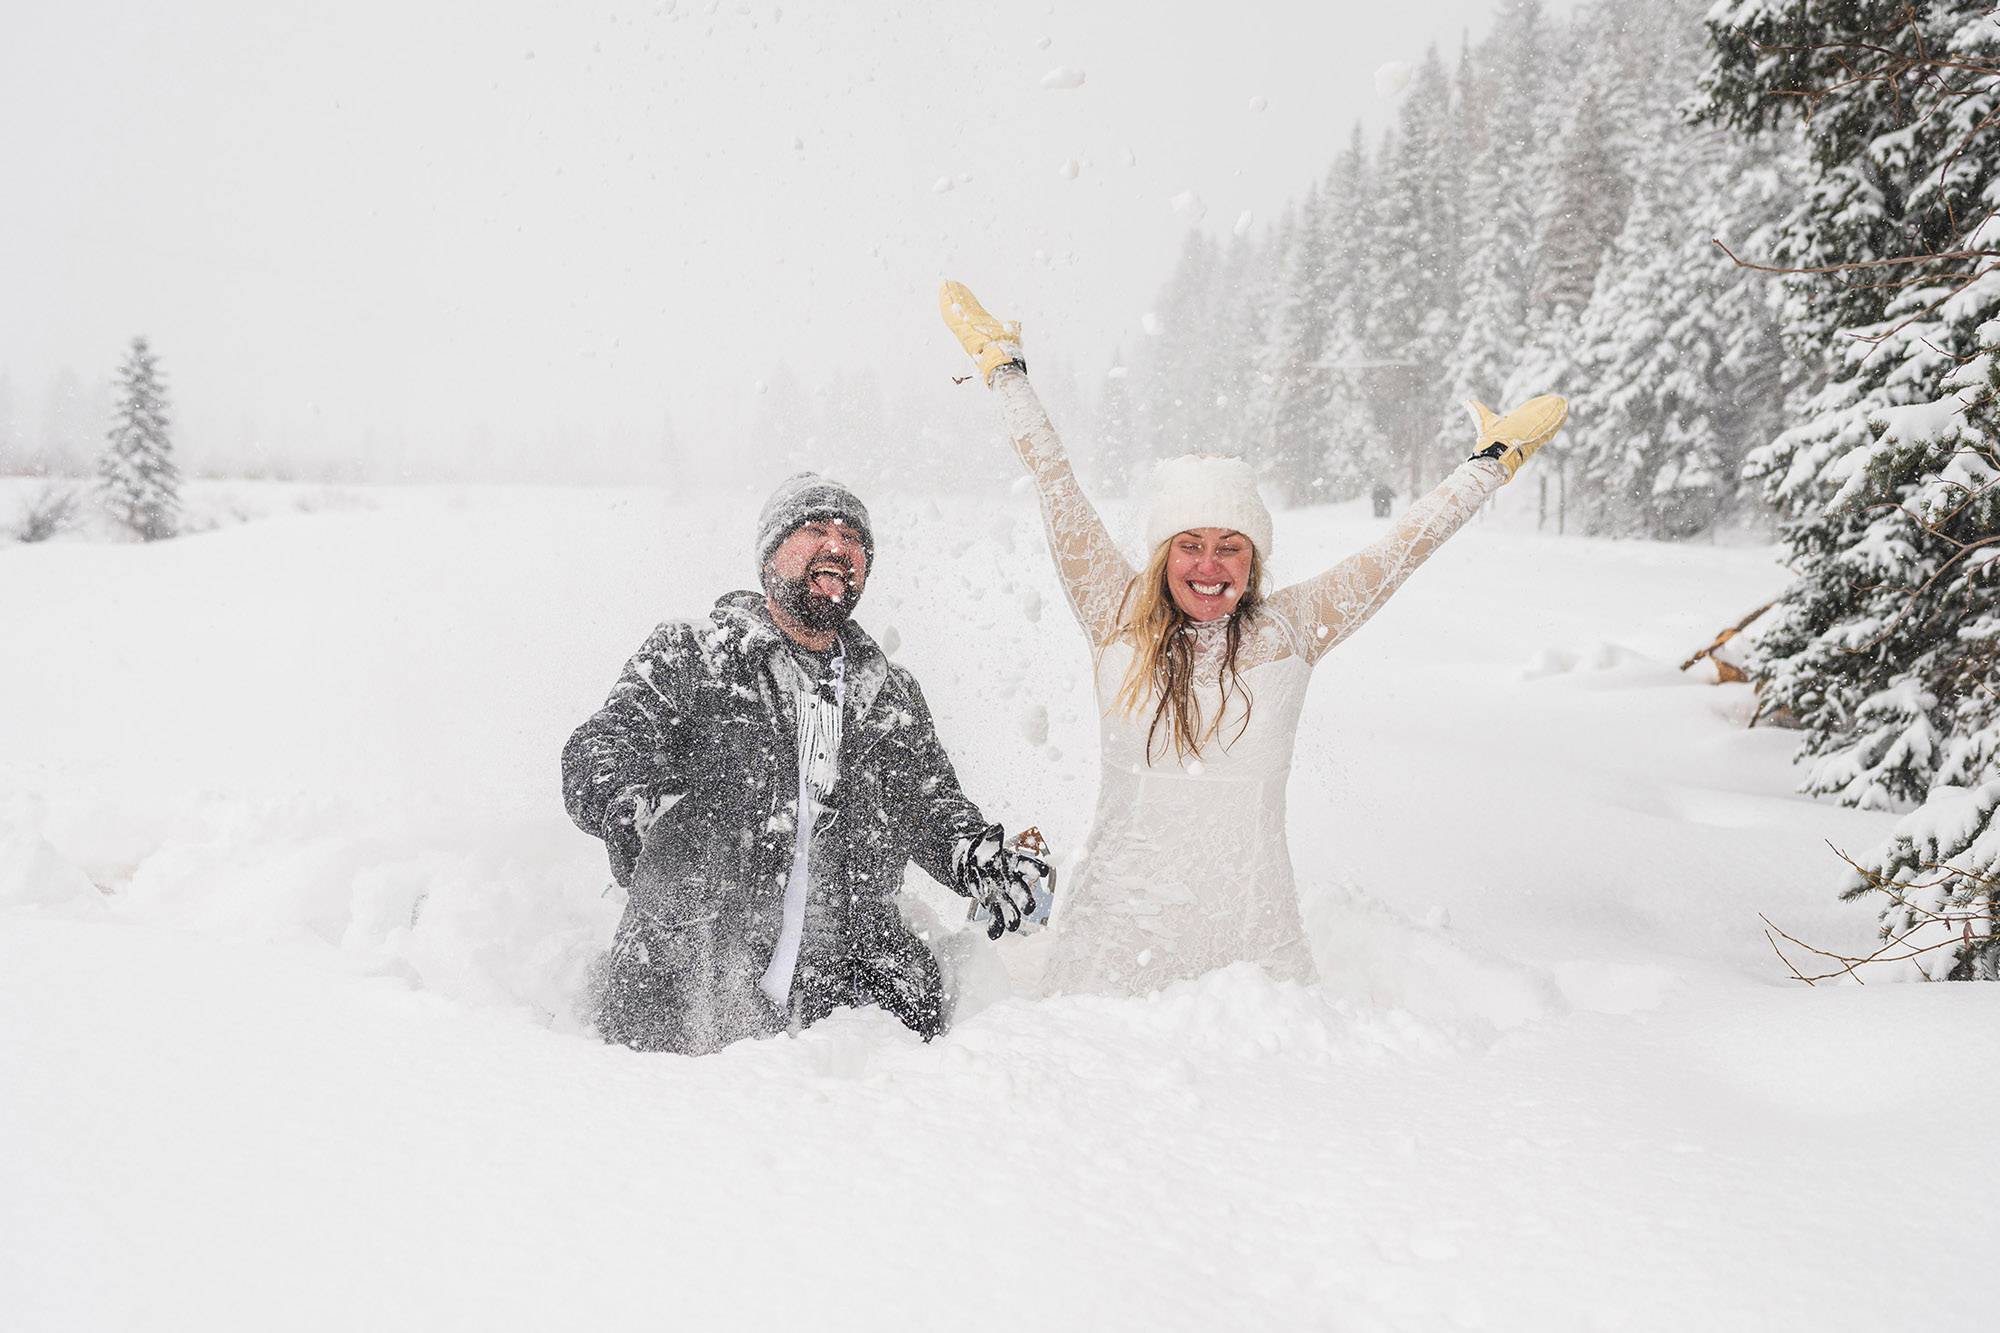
(292, 923)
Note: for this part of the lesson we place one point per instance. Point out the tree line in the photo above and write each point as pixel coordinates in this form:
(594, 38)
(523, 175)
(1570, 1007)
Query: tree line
(1537, 219)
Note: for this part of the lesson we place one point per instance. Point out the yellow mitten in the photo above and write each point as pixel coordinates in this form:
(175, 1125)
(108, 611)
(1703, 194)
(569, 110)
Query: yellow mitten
(991, 343)
(1513, 439)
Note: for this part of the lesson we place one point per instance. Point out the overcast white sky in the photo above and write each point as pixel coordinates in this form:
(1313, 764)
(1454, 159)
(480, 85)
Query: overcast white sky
(429, 223)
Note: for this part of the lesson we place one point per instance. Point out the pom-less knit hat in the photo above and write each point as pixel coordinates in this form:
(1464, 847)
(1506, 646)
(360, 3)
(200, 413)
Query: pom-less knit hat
(1207, 491)
(803, 498)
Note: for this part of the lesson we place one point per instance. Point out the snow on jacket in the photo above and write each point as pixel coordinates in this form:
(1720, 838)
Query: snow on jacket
(702, 722)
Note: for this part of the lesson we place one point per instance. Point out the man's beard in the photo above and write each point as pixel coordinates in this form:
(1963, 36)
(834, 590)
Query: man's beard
(806, 604)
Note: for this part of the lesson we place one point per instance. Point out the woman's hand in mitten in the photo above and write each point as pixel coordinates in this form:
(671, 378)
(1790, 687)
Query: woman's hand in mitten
(987, 340)
(1513, 439)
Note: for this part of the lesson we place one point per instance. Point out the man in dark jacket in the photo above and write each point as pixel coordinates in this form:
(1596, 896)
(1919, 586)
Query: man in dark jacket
(760, 782)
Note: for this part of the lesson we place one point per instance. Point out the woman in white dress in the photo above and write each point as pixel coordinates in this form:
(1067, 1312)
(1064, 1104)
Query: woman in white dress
(1200, 677)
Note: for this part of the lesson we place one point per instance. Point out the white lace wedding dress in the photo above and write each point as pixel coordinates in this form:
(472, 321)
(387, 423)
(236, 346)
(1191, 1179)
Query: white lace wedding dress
(1186, 868)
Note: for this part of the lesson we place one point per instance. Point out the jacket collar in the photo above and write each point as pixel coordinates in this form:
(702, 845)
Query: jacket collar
(744, 615)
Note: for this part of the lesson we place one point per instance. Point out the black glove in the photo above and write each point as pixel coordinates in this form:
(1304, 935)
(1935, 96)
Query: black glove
(620, 831)
(997, 877)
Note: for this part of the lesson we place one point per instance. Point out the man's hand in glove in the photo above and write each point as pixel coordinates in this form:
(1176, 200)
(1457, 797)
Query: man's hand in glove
(997, 877)
(622, 832)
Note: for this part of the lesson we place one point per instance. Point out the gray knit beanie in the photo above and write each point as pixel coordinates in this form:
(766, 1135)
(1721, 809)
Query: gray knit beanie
(802, 498)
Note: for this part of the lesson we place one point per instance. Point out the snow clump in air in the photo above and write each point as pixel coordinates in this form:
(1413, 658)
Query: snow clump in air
(1392, 78)
(1259, 103)
(1128, 157)
(1150, 322)
(1062, 76)
(1243, 221)
(1189, 205)
(1068, 169)
(942, 185)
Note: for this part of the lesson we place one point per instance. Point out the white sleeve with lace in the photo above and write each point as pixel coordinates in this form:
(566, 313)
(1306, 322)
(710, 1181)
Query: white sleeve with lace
(1325, 609)
(1094, 572)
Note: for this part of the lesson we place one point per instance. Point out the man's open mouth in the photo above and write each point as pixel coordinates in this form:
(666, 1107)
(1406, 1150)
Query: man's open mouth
(831, 580)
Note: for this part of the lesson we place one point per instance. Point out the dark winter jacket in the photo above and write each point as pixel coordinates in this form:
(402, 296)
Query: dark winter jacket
(703, 722)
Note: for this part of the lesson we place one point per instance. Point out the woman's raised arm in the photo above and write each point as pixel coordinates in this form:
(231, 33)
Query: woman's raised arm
(1094, 572)
(1326, 609)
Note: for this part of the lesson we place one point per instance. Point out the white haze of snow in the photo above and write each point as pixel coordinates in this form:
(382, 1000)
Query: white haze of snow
(292, 926)
(383, 232)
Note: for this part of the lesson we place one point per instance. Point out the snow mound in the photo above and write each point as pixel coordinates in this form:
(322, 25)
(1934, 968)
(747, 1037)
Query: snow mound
(1372, 955)
(34, 874)
(492, 914)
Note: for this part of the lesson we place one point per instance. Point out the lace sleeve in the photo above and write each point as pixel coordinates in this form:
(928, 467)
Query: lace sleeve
(1094, 572)
(1326, 609)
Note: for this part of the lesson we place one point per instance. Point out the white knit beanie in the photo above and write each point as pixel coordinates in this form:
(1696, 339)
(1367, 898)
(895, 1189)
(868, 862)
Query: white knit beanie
(1207, 491)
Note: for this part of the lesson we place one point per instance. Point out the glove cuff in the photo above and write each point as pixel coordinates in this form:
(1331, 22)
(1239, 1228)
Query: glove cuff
(996, 355)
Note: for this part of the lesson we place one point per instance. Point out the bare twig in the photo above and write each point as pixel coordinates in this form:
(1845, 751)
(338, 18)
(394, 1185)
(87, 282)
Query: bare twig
(1855, 264)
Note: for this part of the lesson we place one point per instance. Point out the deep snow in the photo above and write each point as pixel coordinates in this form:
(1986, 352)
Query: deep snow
(291, 922)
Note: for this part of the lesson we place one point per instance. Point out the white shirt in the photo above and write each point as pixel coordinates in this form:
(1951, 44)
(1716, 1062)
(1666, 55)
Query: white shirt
(819, 769)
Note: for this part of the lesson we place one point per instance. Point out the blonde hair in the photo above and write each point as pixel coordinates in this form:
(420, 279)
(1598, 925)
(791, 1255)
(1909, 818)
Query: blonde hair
(1163, 660)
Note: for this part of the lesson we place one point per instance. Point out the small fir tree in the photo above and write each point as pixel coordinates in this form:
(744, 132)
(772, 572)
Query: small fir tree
(137, 482)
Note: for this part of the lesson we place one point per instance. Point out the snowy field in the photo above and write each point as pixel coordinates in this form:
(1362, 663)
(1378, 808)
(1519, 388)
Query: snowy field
(292, 925)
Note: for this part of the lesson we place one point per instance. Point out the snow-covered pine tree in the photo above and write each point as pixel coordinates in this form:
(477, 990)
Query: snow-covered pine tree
(1246, 390)
(1887, 648)
(1584, 209)
(1414, 317)
(1678, 362)
(1503, 97)
(1585, 190)
(1887, 477)
(1356, 455)
(1294, 356)
(1182, 357)
(1937, 883)
(137, 482)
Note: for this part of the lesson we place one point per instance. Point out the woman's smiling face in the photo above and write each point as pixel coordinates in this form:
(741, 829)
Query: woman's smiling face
(1207, 571)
